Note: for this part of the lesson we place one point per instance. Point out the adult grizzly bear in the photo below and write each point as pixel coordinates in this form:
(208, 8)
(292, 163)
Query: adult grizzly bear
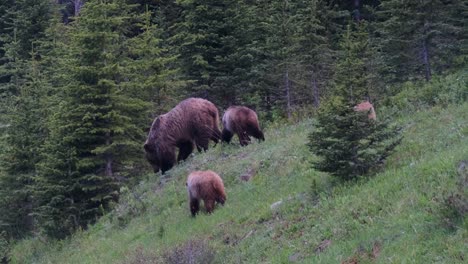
(366, 106)
(206, 186)
(242, 121)
(193, 122)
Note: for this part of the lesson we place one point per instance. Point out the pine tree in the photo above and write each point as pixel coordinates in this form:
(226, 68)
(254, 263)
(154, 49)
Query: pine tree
(214, 40)
(24, 137)
(281, 64)
(352, 70)
(23, 90)
(23, 23)
(97, 130)
(420, 38)
(348, 143)
(316, 54)
(152, 68)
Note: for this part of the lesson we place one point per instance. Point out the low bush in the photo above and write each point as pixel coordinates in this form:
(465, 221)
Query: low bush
(450, 89)
(192, 251)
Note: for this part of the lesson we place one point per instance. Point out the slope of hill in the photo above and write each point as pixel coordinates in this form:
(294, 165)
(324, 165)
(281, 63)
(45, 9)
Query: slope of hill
(288, 212)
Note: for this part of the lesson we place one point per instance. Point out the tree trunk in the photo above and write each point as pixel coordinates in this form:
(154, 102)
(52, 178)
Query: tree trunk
(427, 65)
(425, 51)
(315, 92)
(108, 172)
(288, 95)
(77, 6)
(28, 218)
(356, 11)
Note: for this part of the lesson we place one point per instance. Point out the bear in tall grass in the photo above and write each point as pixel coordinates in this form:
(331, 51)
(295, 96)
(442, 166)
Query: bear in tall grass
(206, 186)
(366, 106)
(242, 121)
(193, 122)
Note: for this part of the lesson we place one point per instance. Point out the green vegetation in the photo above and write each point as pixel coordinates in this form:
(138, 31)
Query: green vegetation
(396, 216)
(348, 143)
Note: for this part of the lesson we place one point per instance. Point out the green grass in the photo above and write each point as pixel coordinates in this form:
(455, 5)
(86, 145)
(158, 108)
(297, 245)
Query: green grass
(397, 216)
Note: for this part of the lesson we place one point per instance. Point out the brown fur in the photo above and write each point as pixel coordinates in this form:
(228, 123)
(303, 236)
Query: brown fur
(206, 186)
(242, 121)
(366, 106)
(193, 122)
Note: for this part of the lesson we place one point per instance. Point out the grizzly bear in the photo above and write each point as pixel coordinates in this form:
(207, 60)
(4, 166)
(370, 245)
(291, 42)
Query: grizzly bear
(242, 121)
(193, 122)
(366, 106)
(206, 186)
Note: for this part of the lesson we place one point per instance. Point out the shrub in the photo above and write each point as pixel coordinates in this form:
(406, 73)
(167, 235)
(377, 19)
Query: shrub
(192, 251)
(443, 91)
(348, 143)
(131, 205)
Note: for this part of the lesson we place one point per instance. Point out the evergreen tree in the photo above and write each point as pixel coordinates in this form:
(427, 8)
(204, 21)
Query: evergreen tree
(420, 38)
(214, 40)
(315, 49)
(22, 91)
(23, 23)
(282, 67)
(348, 143)
(24, 137)
(152, 68)
(97, 131)
(352, 80)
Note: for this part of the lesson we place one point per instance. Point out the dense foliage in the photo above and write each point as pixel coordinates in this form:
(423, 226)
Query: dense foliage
(348, 143)
(81, 80)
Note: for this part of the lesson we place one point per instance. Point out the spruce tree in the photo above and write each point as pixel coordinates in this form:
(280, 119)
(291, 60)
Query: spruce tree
(282, 66)
(152, 68)
(348, 143)
(23, 141)
(98, 129)
(214, 40)
(316, 54)
(421, 38)
(23, 88)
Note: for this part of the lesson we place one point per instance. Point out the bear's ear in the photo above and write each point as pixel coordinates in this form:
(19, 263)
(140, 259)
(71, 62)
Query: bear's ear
(156, 122)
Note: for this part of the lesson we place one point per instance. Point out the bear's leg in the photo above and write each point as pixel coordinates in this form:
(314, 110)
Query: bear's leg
(185, 149)
(194, 206)
(243, 138)
(209, 205)
(203, 142)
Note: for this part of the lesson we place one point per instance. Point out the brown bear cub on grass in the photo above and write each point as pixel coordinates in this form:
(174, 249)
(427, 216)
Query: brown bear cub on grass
(242, 121)
(193, 122)
(206, 186)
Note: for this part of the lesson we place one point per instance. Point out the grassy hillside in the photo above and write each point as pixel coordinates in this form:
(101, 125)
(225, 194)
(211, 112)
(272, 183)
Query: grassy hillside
(400, 215)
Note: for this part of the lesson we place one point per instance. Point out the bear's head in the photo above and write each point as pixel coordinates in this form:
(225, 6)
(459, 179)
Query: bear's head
(221, 199)
(152, 156)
